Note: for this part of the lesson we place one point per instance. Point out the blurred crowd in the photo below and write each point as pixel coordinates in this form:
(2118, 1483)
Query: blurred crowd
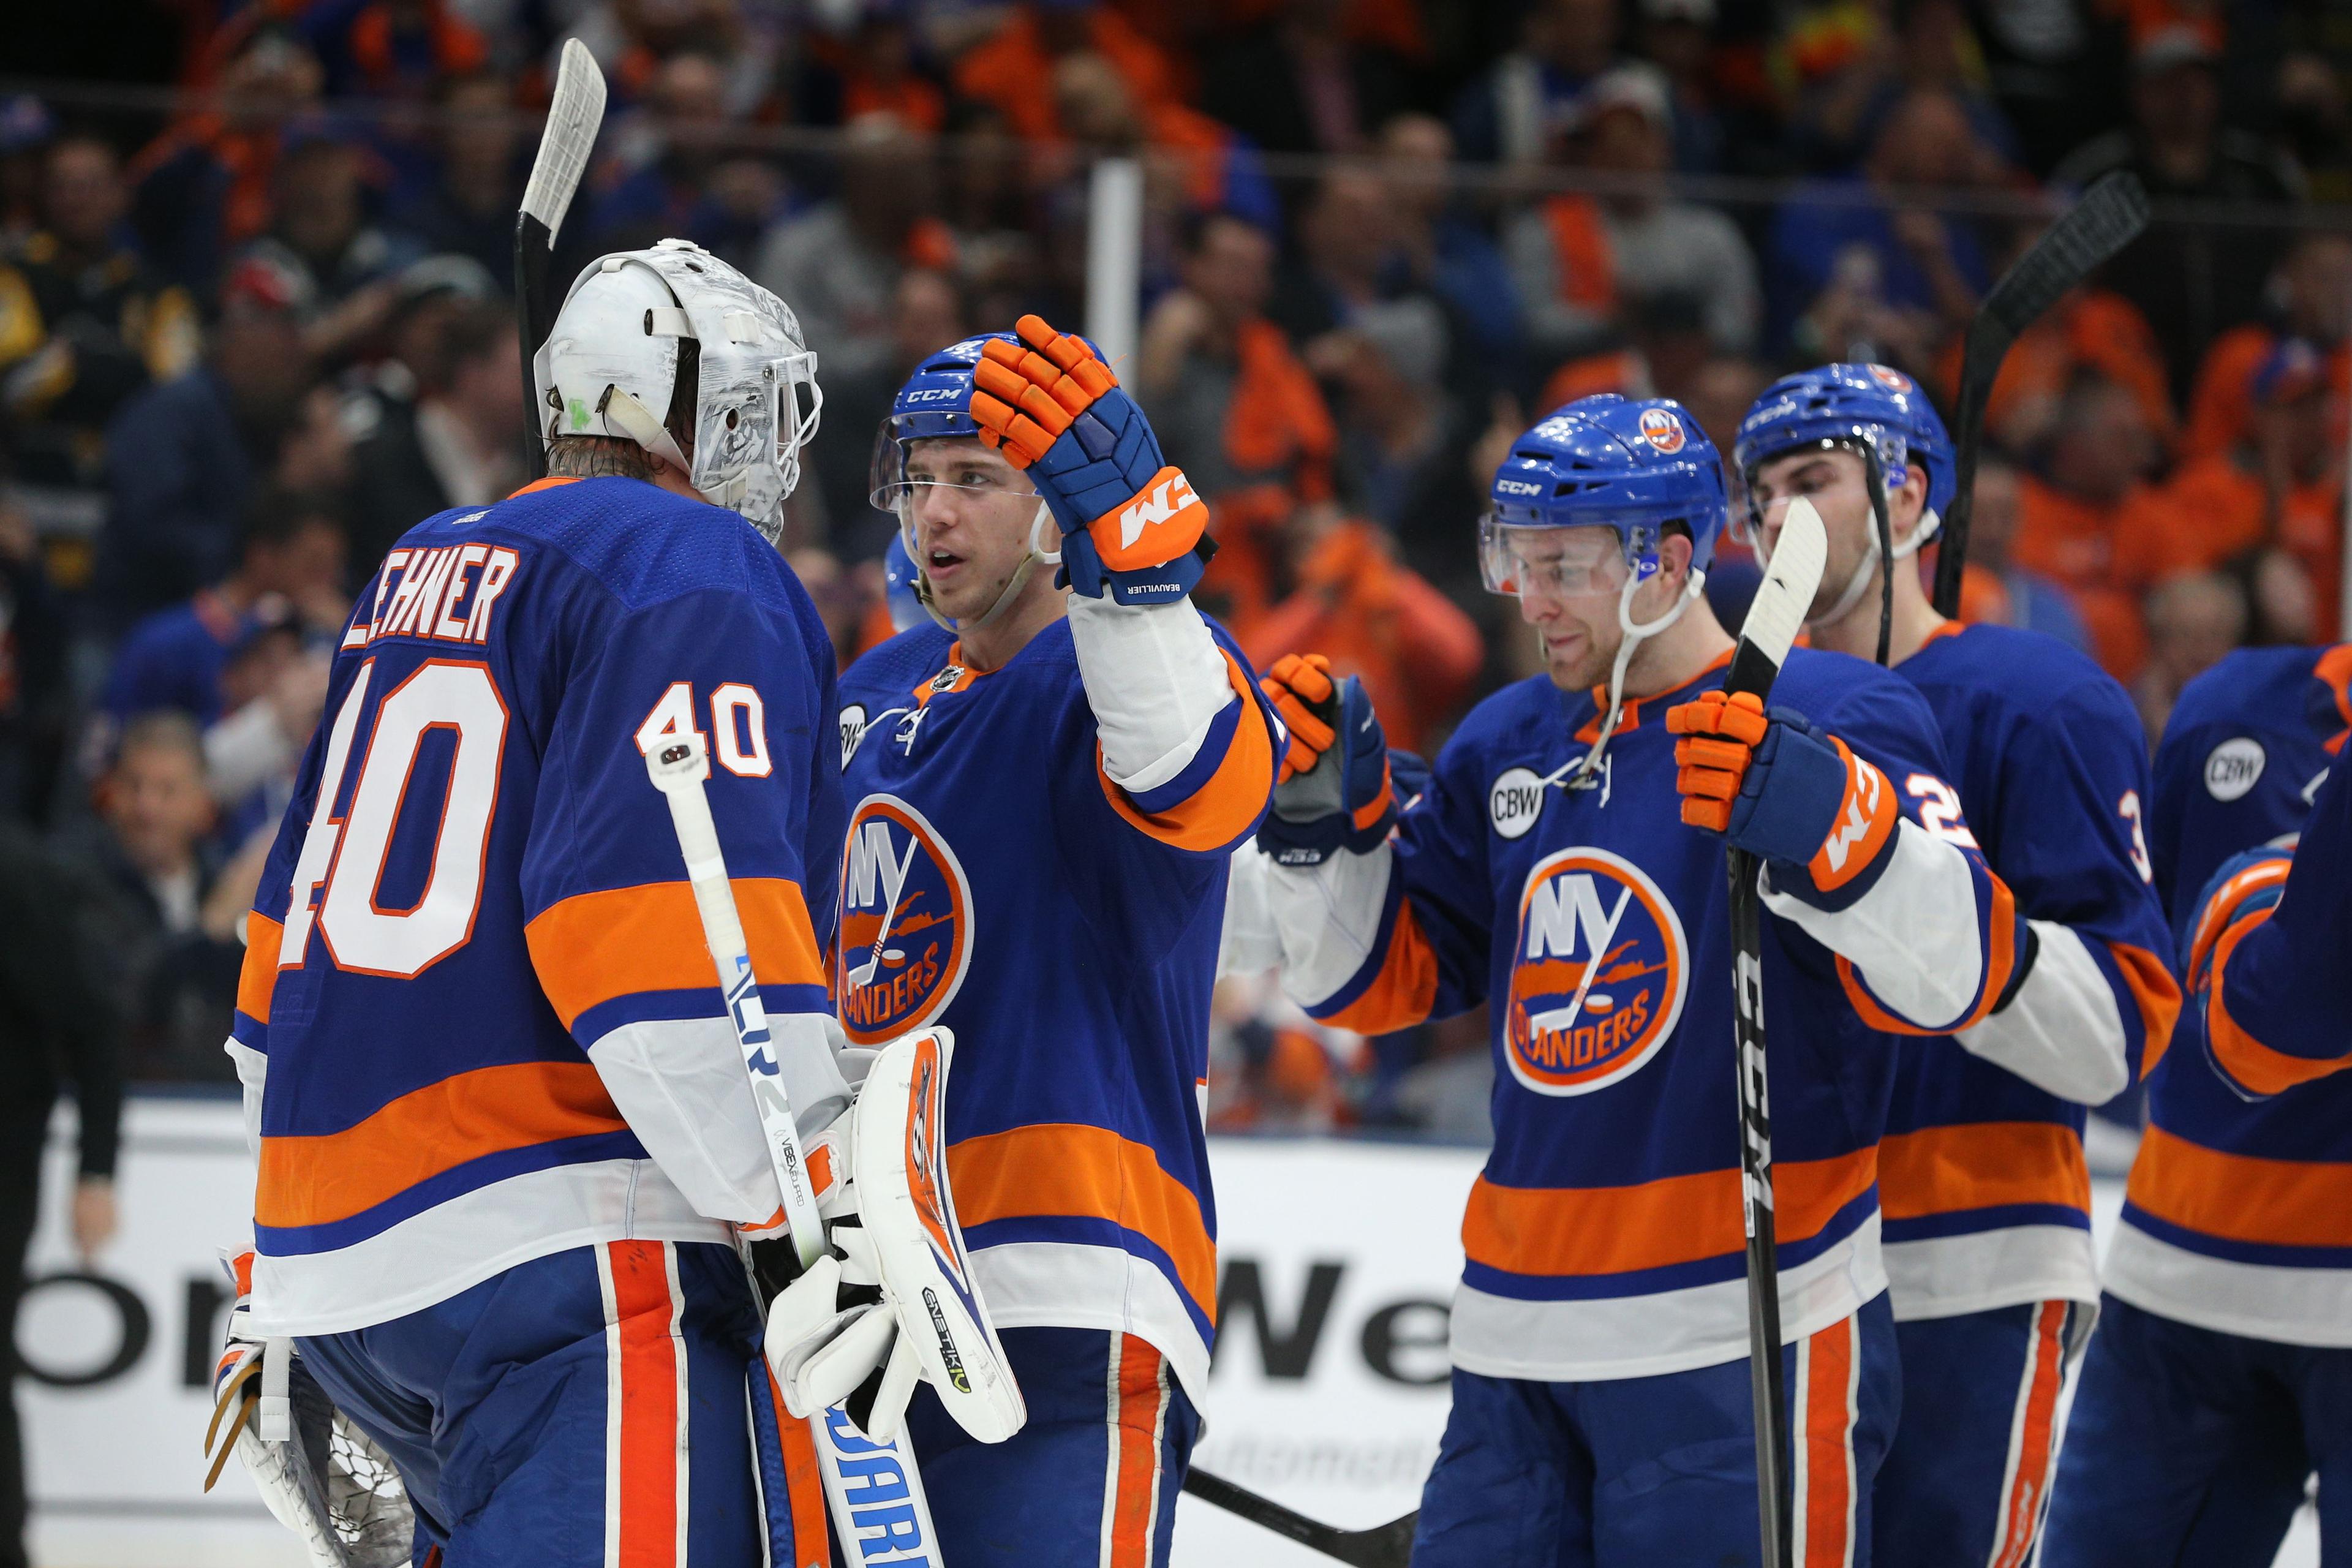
(253, 327)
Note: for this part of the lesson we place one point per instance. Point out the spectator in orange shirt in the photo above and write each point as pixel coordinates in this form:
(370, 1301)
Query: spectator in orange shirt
(1233, 405)
(2314, 286)
(2278, 490)
(1416, 651)
(2088, 330)
(1995, 589)
(2100, 452)
(1010, 72)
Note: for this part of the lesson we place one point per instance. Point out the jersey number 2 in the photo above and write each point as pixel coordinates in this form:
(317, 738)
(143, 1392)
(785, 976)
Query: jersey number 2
(347, 852)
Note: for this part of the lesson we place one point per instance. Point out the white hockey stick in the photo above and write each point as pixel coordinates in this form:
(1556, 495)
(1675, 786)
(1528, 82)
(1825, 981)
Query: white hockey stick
(573, 118)
(888, 1523)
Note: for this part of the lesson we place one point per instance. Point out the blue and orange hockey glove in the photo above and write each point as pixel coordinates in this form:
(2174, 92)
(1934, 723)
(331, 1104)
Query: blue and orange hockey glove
(1130, 522)
(2247, 884)
(1333, 791)
(1774, 786)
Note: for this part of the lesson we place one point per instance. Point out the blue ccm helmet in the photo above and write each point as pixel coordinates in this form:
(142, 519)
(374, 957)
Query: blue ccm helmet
(1851, 405)
(898, 586)
(935, 404)
(1606, 461)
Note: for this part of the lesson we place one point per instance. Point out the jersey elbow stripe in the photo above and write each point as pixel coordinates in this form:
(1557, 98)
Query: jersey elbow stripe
(1216, 743)
(2242, 1197)
(2260, 1068)
(321, 1179)
(592, 948)
(2155, 993)
(2000, 937)
(1982, 1165)
(1069, 1170)
(1394, 991)
(259, 977)
(1229, 799)
(1674, 1220)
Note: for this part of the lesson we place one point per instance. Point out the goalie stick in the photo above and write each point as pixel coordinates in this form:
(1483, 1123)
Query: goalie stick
(572, 120)
(678, 768)
(1773, 619)
(1386, 1545)
(2110, 216)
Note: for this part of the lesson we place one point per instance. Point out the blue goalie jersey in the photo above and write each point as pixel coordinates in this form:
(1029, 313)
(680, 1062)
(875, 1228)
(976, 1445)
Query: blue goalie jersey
(478, 1022)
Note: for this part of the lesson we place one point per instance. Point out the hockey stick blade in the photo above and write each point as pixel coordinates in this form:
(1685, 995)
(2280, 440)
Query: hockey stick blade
(2111, 215)
(572, 120)
(1386, 1545)
(1778, 612)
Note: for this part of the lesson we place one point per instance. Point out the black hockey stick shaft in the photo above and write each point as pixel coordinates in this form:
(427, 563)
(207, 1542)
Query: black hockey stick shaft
(2110, 216)
(1386, 1545)
(531, 246)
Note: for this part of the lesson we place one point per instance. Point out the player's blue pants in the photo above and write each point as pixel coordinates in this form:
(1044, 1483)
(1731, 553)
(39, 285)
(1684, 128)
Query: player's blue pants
(591, 1407)
(1968, 1480)
(1639, 1472)
(2191, 1448)
(1091, 1480)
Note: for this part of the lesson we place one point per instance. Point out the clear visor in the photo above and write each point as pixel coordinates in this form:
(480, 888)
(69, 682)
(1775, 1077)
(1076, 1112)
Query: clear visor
(901, 470)
(1579, 562)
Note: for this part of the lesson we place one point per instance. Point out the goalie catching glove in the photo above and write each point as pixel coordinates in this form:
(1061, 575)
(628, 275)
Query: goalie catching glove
(1334, 791)
(896, 1302)
(1129, 520)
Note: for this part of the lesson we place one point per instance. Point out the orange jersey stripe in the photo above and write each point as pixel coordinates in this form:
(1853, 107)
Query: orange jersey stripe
(320, 1178)
(2026, 1488)
(1675, 1219)
(1404, 991)
(1218, 812)
(592, 947)
(2158, 994)
(2001, 963)
(259, 978)
(1979, 1166)
(2242, 1197)
(1136, 1434)
(2244, 1057)
(652, 1437)
(1827, 1500)
(1066, 1168)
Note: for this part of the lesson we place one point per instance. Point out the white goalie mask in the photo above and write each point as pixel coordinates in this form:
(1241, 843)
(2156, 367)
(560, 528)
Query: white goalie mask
(610, 367)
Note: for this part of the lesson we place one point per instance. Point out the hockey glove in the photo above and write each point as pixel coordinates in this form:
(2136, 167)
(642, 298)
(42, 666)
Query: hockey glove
(1774, 786)
(1129, 522)
(1333, 791)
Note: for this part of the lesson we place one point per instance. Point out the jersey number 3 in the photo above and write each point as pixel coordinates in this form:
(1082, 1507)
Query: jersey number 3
(347, 852)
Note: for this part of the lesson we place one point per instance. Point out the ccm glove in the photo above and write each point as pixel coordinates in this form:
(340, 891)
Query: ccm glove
(1775, 786)
(1333, 791)
(1130, 522)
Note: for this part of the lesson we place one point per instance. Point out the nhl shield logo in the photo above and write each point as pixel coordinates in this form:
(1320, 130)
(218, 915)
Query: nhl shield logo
(1598, 976)
(905, 922)
(1660, 429)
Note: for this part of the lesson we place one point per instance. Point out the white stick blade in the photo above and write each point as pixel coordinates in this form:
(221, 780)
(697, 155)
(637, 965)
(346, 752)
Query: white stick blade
(572, 120)
(1789, 584)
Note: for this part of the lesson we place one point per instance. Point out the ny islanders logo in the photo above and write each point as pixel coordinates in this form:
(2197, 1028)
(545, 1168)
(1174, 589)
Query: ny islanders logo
(905, 922)
(1598, 976)
(1662, 430)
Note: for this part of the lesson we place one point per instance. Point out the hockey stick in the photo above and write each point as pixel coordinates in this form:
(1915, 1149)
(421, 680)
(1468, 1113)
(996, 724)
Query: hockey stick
(2108, 217)
(1386, 1545)
(572, 120)
(678, 769)
(1779, 610)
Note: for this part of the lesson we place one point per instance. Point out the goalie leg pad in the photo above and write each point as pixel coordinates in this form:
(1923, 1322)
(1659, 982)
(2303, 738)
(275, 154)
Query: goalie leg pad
(898, 1157)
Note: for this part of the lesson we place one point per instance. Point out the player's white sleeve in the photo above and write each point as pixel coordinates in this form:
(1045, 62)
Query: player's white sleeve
(1156, 680)
(1918, 935)
(2062, 1031)
(1325, 918)
(252, 1073)
(1249, 943)
(679, 1084)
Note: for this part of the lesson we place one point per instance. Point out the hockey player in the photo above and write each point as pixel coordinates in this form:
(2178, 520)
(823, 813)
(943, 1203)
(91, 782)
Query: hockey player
(1981, 1176)
(504, 1132)
(2221, 1377)
(1601, 1408)
(1046, 789)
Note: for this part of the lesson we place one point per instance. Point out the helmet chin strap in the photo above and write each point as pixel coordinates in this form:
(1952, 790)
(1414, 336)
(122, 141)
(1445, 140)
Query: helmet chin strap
(1636, 633)
(1031, 559)
(1859, 583)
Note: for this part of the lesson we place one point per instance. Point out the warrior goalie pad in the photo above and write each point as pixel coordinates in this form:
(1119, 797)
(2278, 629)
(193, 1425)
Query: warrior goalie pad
(325, 1480)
